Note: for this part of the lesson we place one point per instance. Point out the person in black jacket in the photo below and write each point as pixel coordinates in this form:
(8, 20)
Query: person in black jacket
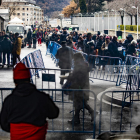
(65, 55)
(34, 38)
(132, 48)
(29, 38)
(128, 41)
(113, 49)
(24, 112)
(7, 49)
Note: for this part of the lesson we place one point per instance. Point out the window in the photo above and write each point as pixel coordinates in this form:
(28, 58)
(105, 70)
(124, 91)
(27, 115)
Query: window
(18, 8)
(27, 19)
(23, 14)
(18, 14)
(31, 9)
(23, 8)
(23, 19)
(14, 14)
(27, 9)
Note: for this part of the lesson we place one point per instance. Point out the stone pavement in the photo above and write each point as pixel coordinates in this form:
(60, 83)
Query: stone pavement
(6, 81)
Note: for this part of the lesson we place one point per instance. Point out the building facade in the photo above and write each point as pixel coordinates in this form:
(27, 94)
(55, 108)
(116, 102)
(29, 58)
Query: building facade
(1, 23)
(26, 10)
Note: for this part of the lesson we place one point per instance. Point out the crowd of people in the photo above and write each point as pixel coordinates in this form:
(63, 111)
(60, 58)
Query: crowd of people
(10, 48)
(97, 44)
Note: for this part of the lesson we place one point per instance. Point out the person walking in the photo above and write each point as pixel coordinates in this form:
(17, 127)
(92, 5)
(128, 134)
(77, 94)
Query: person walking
(6, 49)
(25, 110)
(29, 38)
(16, 48)
(79, 79)
(65, 55)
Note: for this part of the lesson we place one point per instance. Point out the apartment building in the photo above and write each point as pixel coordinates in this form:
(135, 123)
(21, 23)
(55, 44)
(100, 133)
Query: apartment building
(26, 10)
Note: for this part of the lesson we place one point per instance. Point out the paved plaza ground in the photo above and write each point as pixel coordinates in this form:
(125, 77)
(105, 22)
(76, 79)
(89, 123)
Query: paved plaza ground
(97, 86)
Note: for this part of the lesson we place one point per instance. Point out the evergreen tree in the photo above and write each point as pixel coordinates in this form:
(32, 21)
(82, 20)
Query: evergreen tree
(83, 6)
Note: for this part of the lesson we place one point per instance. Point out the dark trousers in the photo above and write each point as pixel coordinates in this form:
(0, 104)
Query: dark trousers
(0, 57)
(79, 106)
(4, 58)
(15, 57)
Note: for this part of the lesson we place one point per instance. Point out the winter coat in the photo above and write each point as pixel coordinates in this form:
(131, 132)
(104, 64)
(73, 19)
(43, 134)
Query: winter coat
(98, 46)
(79, 80)
(65, 55)
(126, 43)
(27, 105)
(6, 45)
(29, 35)
(131, 50)
(80, 45)
(34, 38)
(113, 48)
(104, 49)
(39, 35)
(86, 46)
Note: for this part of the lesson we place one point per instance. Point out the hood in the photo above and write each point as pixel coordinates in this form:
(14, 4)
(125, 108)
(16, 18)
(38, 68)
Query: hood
(130, 35)
(24, 89)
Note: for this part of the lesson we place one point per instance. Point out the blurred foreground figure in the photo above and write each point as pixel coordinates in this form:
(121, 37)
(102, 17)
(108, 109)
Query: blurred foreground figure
(25, 111)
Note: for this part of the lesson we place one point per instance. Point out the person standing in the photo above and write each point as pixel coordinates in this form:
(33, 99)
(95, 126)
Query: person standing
(29, 38)
(16, 48)
(65, 55)
(34, 39)
(25, 110)
(39, 37)
(7, 49)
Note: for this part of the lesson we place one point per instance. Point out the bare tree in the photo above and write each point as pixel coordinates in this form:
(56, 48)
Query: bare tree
(11, 6)
(127, 5)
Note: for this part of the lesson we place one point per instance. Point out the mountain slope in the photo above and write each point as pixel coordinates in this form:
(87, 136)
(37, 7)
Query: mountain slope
(52, 6)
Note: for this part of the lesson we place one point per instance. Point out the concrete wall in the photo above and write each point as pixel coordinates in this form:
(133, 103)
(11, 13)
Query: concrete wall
(88, 22)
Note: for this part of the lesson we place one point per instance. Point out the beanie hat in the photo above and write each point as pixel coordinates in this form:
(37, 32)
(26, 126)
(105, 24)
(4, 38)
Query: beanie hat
(21, 72)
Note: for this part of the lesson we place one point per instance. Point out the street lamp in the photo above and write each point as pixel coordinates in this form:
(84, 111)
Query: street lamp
(115, 20)
(98, 19)
(94, 20)
(61, 15)
(89, 20)
(108, 20)
(124, 21)
(81, 20)
(137, 18)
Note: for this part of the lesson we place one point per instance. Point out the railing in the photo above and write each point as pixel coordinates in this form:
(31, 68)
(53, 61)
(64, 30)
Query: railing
(65, 107)
(121, 114)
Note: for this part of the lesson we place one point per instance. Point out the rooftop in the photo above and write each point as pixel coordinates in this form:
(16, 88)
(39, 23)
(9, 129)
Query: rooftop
(30, 1)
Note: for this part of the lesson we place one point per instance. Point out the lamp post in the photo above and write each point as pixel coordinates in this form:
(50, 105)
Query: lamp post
(94, 20)
(61, 15)
(123, 21)
(81, 20)
(115, 20)
(89, 20)
(108, 20)
(137, 18)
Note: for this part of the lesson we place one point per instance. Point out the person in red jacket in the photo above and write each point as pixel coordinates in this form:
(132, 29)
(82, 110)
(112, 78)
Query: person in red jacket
(24, 112)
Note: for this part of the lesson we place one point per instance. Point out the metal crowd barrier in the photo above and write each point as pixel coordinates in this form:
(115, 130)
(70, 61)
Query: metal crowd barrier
(119, 115)
(60, 125)
(52, 49)
(130, 73)
(105, 68)
(34, 60)
(49, 78)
